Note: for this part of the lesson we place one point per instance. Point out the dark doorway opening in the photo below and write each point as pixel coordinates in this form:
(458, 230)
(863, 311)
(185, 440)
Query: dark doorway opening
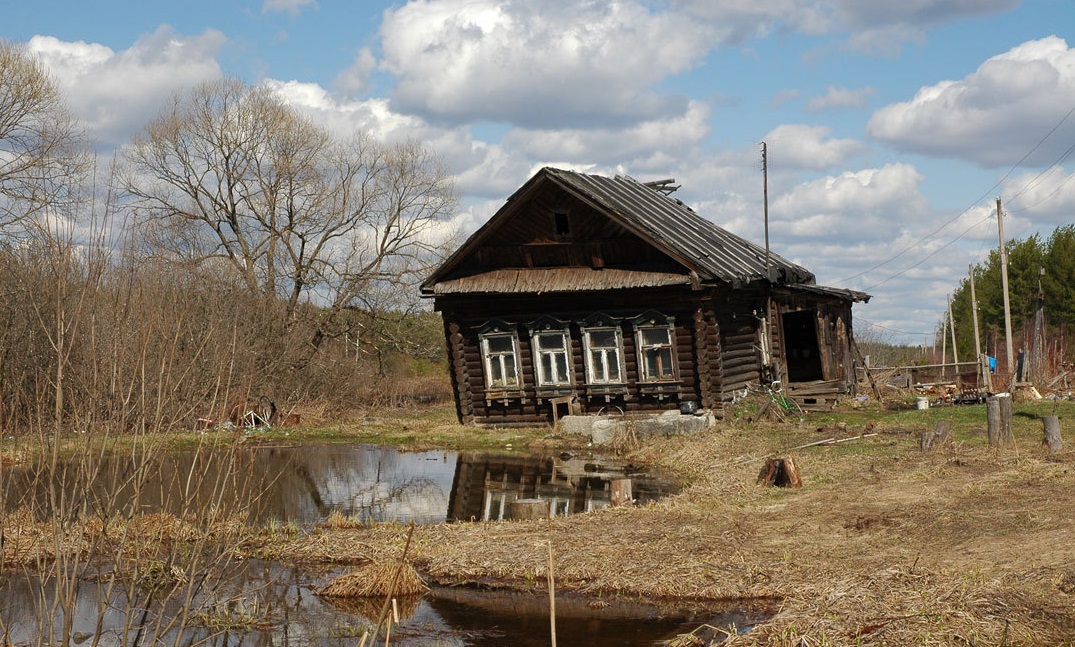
(800, 346)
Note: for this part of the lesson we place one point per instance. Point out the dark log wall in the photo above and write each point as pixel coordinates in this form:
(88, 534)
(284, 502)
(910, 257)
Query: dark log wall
(695, 332)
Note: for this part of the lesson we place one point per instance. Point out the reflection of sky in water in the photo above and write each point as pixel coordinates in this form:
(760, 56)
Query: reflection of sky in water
(282, 594)
(375, 484)
(305, 484)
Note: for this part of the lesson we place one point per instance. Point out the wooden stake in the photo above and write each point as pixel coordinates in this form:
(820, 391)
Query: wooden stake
(999, 418)
(1052, 438)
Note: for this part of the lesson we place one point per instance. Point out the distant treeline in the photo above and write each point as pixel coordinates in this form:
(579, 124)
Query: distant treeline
(1037, 269)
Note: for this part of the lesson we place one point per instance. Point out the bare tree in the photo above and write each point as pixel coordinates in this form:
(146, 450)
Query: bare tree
(41, 149)
(230, 175)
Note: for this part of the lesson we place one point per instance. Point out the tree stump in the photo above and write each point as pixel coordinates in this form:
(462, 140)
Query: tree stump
(621, 492)
(930, 439)
(999, 417)
(1052, 438)
(781, 472)
(528, 509)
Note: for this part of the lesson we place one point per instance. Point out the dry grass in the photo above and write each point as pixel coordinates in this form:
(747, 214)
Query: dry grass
(380, 579)
(884, 545)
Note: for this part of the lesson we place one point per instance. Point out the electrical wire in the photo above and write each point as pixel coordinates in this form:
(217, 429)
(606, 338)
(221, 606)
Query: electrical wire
(930, 235)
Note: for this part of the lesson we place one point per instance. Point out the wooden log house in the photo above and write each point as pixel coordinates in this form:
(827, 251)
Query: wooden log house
(593, 294)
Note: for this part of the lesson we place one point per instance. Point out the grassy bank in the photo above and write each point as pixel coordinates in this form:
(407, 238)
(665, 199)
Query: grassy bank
(884, 544)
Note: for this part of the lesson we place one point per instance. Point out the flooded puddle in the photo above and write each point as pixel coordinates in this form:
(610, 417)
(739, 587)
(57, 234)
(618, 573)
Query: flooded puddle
(279, 604)
(305, 484)
(248, 602)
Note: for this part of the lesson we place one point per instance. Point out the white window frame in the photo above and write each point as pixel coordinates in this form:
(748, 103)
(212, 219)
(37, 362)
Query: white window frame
(563, 352)
(592, 376)
(642, 348)
(501, 359)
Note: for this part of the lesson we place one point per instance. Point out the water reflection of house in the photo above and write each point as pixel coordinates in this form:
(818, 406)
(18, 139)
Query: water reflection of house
(485, 486)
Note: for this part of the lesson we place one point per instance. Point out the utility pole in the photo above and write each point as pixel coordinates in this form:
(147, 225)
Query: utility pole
(944, 342)
(1009, 360)
(1037, 358)
(765, 205)
(974, 312)
(952, 327)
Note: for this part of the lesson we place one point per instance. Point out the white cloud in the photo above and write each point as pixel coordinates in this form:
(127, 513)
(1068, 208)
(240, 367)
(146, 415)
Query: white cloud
(616, 146)
(872, 27)
(838, 97)
(355, 78)
(799, 146)
(537, 64)
(291, 7)
(116, 93)
(983, 118)
(871, 204)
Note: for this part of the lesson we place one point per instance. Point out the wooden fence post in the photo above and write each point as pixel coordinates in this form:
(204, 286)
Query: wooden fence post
(1052, 438)
(999, 417)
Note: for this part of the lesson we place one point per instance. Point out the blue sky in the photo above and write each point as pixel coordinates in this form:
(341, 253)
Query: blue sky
(891, 126)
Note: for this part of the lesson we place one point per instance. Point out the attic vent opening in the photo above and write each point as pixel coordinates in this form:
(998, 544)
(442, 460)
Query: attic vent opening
(561, 223)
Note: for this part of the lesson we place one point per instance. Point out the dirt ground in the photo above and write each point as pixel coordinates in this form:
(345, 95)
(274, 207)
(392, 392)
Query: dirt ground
(883, 545)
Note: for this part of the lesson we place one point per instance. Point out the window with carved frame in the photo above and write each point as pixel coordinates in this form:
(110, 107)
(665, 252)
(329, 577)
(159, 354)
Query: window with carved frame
(602, 341)
(656, 347)
(500, 354)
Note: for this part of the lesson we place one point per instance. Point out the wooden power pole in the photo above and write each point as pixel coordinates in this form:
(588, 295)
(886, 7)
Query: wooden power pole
(765, 204)
(974, 314)
(1009, 361)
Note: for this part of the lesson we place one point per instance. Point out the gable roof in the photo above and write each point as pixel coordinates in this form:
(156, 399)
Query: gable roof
(710, 253)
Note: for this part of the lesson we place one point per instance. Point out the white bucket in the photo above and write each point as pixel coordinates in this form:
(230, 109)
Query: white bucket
(922, 403)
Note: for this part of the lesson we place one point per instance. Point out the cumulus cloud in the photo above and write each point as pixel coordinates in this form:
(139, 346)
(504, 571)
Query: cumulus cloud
(838, 97)
(116, 93)
(538, 64)
(866, 204)
(983, 117)
(800, 146)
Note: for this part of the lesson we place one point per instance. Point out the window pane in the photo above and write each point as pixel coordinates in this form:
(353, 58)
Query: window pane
(613, 360)
(551, 341)
(654, 336)
(501, 344)
(603, 339)
(496, 372)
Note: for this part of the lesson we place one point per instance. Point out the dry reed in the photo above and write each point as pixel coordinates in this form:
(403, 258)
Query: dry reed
(375, 580)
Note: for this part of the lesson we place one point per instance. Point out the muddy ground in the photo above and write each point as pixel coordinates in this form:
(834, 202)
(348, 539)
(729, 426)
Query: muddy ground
(883, 545)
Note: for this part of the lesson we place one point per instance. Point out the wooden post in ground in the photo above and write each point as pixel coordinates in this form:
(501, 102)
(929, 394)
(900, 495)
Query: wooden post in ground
(527, 509)
(930, 439)
(1052, 438)
(999, 417)
(622, 492)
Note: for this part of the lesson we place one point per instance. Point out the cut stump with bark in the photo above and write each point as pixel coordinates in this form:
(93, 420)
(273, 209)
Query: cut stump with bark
(781, 472)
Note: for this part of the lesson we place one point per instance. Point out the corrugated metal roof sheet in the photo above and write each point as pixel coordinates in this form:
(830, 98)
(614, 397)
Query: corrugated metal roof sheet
(714, 252)
(566, 279)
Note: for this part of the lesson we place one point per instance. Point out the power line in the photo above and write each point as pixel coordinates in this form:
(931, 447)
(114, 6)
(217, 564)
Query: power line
(893, 330)
(998, 183)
